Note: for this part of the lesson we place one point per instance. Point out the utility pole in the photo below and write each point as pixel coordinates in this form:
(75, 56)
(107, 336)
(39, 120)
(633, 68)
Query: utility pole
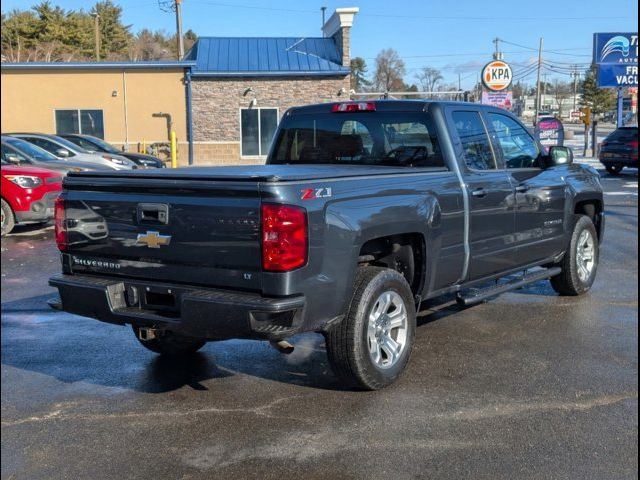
(179, 29)
(575, 76)
(96, 28)
(535, 121)
(497, 55)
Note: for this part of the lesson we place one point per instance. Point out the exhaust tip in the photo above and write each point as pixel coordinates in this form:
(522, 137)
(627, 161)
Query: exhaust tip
(282, 346)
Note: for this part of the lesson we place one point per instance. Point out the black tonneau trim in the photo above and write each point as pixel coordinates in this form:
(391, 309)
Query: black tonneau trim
(123, 181)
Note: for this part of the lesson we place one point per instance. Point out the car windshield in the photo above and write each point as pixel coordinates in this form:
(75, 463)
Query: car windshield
(359, 138)
(107, 147)
(30, 149)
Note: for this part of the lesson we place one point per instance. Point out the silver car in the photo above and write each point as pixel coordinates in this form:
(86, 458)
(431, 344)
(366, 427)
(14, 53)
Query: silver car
(19, 151)
(65, 150)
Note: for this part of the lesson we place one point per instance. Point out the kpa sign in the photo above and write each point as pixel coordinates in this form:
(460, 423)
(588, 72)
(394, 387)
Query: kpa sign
(497, 76)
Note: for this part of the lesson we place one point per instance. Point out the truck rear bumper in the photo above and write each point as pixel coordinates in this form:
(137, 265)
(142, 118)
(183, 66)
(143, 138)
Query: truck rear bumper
(198, 312)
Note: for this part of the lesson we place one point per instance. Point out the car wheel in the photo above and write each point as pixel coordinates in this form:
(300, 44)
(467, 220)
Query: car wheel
(580, 261)
(170, 343)
(8, 219)
(614, 169)
(371, 346)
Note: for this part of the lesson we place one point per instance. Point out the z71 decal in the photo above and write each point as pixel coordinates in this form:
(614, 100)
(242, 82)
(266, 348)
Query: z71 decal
(313, 193)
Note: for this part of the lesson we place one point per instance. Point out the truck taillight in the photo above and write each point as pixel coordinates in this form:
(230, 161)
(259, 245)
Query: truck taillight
(284, 237)
(60, 218)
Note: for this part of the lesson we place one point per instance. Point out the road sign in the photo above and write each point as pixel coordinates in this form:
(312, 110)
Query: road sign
(497, 76)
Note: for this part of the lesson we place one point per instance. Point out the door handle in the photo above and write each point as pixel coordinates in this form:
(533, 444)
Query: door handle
(479, 192)
(522, 188)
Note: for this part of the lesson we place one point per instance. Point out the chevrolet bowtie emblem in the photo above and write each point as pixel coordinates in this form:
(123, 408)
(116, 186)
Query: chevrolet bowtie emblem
(153, 239)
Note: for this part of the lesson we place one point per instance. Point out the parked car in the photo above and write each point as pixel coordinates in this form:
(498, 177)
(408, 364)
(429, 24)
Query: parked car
(20, 152)
(28, 194)
(363, 211)
(95, 144)
(620, 149)
(64, 149)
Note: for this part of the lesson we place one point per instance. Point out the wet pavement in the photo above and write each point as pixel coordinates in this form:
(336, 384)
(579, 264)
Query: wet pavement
(529, 385)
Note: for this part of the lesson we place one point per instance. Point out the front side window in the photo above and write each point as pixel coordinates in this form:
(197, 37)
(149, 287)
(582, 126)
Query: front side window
(361, 138)
(519, 150)
(48, 145)
(11, 155)
(86, 122)
(257, 127)
(476, 145)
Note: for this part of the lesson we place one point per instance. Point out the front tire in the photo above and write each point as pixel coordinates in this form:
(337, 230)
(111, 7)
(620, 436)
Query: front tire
(170, 344)
(371, 346)
(580, 261)
(8, 220)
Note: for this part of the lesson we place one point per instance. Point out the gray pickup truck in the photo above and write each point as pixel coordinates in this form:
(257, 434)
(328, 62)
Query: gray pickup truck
(363, 211)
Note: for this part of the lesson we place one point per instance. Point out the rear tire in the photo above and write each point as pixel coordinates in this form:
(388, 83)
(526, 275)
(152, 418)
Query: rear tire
(371, 346)
(170, 343)
(614, 169)
(8, 219)
(580, 262)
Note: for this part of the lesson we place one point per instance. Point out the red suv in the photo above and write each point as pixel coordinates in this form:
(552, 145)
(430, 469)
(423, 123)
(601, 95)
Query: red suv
(28, 195)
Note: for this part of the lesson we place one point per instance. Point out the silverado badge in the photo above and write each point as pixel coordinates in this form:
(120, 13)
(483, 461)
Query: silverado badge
(153, 239)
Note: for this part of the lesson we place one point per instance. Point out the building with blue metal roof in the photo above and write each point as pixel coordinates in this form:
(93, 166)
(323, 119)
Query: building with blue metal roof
(224, 99)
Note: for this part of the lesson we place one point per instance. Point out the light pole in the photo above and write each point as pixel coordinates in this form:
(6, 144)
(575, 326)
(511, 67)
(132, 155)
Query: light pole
(96, 28)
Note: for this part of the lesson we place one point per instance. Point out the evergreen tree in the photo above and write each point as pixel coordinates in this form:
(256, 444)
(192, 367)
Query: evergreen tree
(601, 100)
(358, 74)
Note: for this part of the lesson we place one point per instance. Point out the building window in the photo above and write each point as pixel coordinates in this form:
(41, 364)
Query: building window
(257, 128)
(86, 122)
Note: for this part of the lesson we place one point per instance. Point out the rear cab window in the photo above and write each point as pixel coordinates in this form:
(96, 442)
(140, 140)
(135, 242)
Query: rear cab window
(399, 139)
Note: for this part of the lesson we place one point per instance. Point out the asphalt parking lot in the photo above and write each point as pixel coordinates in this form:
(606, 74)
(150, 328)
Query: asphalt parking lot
(529, 385)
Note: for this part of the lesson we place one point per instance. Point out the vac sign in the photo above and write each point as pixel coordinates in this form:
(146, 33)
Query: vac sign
(497, 76)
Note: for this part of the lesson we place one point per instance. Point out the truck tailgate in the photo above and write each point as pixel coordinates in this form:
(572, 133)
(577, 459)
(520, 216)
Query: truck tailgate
(192, 232)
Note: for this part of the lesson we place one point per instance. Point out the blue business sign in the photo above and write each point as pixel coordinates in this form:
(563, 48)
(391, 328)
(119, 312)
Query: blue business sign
(616, 57)
(618, 76)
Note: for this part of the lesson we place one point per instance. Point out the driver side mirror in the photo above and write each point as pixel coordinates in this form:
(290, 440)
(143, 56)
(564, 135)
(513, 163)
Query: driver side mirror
(559, 156)
(62, 152)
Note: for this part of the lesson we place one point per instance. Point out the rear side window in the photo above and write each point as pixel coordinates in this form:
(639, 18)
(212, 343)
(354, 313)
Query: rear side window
(476, 145)
(624, 135)
(362, 138)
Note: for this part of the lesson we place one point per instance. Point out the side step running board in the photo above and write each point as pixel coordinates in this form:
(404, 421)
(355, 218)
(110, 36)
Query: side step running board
(474, 296)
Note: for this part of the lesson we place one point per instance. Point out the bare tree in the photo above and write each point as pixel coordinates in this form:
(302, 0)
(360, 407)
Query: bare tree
(390, 71)
(562, 91)
(429, 78)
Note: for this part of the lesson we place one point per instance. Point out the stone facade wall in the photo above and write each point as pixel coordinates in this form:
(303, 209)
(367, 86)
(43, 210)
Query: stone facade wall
(217, 103)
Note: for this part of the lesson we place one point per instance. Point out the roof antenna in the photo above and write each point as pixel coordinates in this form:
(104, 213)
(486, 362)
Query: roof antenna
(323, 10)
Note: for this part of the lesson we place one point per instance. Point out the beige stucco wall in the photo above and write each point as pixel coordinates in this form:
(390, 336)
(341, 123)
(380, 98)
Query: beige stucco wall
(29, 99)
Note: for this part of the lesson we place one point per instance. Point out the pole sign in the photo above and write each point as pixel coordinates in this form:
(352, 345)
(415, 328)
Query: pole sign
(497, 76)
(498, 99)
(616, 58)
(550, 131)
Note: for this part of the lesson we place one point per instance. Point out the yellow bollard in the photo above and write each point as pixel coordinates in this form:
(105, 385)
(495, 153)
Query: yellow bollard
(174, 150)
